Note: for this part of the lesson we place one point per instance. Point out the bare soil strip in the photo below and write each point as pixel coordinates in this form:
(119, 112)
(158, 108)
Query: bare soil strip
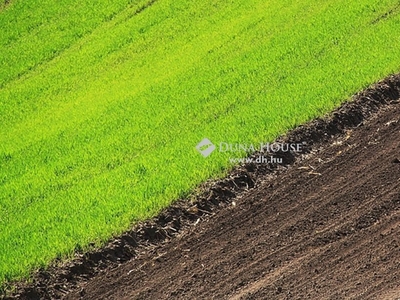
(324, 226)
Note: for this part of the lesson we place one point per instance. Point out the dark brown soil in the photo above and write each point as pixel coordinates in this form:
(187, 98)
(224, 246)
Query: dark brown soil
(326, 225)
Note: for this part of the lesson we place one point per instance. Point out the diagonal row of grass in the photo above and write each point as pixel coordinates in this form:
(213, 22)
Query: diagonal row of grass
(101, 105)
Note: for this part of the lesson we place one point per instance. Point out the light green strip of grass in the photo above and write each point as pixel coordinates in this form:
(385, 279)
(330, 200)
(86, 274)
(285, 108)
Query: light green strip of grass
(101, 132)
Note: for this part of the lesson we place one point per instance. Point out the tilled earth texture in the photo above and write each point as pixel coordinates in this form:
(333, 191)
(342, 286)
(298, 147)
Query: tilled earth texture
(324, 225)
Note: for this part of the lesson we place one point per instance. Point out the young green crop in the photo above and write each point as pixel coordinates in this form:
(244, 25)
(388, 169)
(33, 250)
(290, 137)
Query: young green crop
(102, 105)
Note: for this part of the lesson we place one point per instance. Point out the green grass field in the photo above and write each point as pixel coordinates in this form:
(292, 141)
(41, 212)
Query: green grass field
(102, 105)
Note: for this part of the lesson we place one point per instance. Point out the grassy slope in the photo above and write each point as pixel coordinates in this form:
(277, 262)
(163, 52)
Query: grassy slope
(101, 105)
